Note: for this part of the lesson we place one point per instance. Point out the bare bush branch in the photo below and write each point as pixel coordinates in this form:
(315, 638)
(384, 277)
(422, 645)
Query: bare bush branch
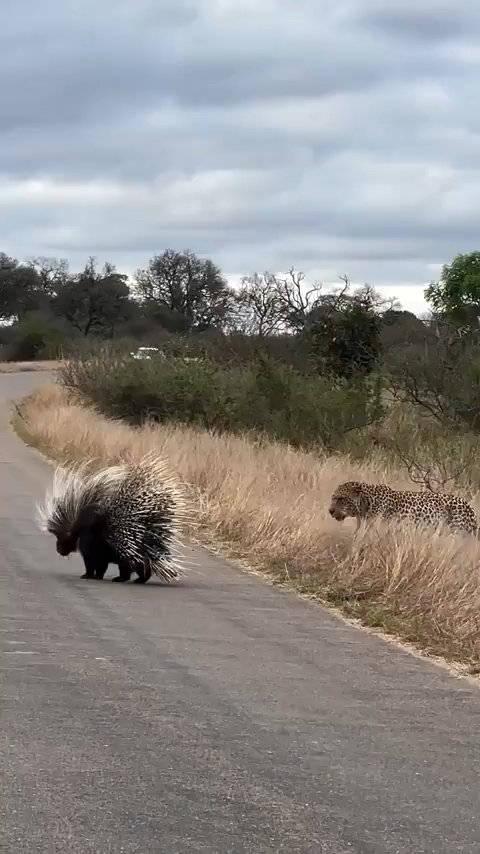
(259, 308)
(430, 467)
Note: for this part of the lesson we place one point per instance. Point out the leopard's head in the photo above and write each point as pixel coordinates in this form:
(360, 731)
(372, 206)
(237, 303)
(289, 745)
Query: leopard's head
(349, 499)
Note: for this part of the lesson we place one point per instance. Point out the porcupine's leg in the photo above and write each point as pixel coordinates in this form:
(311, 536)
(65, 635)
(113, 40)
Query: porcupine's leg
(94, 568)
(94, 571)
(125, 572)
(144, 574)
(101, 569)
(96, 562)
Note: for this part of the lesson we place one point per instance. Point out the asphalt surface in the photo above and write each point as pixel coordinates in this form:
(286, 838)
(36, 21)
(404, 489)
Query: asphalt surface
(217, 715)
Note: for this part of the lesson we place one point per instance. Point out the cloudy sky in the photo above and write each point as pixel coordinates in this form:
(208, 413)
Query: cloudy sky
(338, 136)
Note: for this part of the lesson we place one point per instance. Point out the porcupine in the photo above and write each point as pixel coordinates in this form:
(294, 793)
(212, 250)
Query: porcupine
(125, 515)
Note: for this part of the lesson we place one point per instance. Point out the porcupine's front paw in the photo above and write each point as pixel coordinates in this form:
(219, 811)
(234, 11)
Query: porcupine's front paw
(87, 575)
(140, 580)
(120, 578)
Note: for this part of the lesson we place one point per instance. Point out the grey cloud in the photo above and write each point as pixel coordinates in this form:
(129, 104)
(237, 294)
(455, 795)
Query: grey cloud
(417, 24)
(339, 137)
(430, 20)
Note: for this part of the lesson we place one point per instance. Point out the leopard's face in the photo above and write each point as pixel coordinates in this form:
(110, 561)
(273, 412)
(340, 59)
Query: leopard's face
(347, 500)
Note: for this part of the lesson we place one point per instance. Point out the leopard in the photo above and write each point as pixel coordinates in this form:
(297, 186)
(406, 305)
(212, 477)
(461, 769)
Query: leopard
(364, 501)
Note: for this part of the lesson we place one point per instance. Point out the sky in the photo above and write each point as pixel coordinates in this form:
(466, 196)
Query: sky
(335, 136)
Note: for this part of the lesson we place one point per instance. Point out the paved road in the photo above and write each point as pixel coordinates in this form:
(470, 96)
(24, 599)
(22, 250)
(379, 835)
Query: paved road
(220, 715)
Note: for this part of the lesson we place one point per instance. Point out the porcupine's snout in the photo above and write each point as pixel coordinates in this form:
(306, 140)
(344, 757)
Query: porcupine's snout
(66, 546)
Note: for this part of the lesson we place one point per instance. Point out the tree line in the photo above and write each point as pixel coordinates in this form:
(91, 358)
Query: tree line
(179, 293)
(343, 331)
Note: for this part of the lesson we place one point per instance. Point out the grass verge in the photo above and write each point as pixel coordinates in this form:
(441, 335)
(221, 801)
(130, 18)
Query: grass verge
(22, 367)
(267, 504)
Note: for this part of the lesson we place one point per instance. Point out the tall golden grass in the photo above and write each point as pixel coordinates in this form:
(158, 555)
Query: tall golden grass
(268, 504)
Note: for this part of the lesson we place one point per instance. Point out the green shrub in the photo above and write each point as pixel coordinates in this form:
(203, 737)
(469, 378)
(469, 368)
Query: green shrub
(265, 397)
(35, 336)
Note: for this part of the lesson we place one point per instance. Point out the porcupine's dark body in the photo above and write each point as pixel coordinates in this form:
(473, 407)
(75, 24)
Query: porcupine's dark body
(98, 555)
(124, 515)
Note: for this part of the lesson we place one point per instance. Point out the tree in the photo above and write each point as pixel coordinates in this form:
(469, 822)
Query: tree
(399, 328)
(53, 273)
(20, 289)
(457, 294)
(344, 331)
(296, 301)
(270, 303)
(95, 303)
(188, 290)
(259, 308)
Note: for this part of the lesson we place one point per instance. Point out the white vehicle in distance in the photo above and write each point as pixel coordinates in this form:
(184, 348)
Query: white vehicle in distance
(146, 353)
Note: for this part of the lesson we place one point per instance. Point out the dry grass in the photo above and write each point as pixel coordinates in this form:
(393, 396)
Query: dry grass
(15, 367)
(268, 504)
